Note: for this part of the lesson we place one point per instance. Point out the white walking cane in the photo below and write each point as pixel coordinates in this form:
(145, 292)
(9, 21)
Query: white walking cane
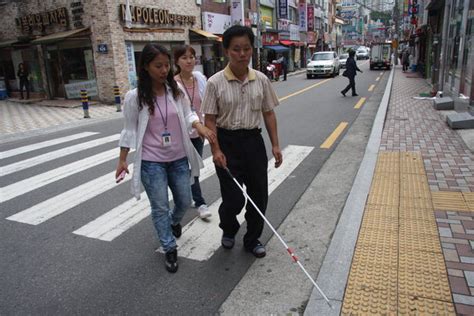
(288, 249)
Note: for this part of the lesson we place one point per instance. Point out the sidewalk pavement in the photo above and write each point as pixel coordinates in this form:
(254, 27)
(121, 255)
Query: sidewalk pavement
(405, 241)
(20, 117)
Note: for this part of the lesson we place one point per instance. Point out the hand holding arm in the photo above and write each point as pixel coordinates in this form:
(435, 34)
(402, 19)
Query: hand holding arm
(205, 132)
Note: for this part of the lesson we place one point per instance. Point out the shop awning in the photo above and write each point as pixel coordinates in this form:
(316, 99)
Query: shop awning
(56, 37)
(292, 43)
(277, 48)
(206, 34)
(8, 43)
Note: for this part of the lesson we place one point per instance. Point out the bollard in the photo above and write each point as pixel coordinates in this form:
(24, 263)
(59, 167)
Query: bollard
(85, 103)
(117, 99)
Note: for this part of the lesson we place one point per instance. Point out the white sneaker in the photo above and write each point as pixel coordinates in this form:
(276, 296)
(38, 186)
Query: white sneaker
(203, 211)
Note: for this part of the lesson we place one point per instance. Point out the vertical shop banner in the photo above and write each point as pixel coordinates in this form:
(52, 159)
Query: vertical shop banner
(215, 23)
(303, 17)
(283, 9)
(132, 71)
(237, 12)
(310, 17)
(294, 32)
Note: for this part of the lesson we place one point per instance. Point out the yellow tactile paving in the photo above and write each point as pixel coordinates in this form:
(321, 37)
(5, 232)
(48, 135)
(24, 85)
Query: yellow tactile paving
(469, 198)
(449, 201)
(412, 305)
(398, 265)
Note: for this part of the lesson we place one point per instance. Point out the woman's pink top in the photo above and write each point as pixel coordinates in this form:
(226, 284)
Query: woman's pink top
(153, 143)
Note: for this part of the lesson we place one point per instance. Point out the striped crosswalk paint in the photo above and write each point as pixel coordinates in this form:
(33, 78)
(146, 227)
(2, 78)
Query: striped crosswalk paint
(201, 239)
(118, 220)
(52, 142)
(27, 185)
(41, 212)
(34, 161)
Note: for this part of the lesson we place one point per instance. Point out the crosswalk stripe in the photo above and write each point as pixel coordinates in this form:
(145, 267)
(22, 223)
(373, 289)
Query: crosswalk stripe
(118, 220)
(201, 239)
(24, 186)
(34, 161)
(28, 148)
(52, 207)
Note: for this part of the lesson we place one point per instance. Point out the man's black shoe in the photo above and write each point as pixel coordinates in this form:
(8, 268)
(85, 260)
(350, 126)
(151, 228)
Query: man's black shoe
(171, 261)
(355, 95)
(177, 230)
(343, 93)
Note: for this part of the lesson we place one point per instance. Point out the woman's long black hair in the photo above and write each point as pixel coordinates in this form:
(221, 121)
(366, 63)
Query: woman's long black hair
(146, 95)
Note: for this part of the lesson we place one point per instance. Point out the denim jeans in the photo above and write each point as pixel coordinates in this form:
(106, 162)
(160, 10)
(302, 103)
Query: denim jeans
(156, 177)
(196, 187)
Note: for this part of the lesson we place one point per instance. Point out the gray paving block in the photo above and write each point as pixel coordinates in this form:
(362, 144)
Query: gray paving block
(445, 103)
(460, 120)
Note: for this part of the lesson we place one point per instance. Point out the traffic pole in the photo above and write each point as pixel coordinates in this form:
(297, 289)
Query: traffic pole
(118, 101)
(85, 103)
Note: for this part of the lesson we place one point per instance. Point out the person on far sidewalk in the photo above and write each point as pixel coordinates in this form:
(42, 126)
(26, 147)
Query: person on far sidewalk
(194, 84)
(351, 72)
(405, 59)
(23, 75)
(284, 65)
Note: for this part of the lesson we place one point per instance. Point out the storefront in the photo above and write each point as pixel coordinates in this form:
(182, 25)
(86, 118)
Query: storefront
(67, 46)
(214, 58)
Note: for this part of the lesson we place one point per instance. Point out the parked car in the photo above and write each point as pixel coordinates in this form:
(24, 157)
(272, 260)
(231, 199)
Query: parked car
(323, 64)
(362, 53)
(380, 55)
(343, 59)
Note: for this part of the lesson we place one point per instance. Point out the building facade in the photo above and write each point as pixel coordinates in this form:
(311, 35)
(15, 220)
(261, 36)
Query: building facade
(73, 45)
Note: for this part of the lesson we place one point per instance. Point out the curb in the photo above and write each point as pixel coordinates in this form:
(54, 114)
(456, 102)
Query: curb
(332, 277)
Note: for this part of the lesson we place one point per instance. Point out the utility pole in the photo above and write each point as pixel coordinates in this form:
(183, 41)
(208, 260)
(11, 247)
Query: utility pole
(396, 17)
(259, 35)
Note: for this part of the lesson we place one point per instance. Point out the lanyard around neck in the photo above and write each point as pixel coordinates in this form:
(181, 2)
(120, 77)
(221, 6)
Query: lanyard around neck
(186, 89)
(165, 117)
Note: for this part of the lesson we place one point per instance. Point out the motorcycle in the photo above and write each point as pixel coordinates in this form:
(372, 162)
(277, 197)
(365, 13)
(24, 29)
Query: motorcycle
(271, 71)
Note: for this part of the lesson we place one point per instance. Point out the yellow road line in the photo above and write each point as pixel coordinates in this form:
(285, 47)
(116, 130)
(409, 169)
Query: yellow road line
(359, 104)
(334, 135)
(371, 88)
(378, 78)
(303, 90)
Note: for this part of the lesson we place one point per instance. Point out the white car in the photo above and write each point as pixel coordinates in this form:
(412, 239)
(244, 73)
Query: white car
(342, 59)
(323, 64)
(362, 53)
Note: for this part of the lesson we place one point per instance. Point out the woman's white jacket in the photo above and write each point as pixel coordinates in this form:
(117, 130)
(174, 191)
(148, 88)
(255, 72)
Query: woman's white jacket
(135, 123)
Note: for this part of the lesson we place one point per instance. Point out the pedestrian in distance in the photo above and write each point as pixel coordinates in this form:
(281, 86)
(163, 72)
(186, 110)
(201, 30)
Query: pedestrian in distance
(194, 84)
(284, 65)
(23, 74)
(350, 73)
(405, 59)
(235, 100)
(157, 122)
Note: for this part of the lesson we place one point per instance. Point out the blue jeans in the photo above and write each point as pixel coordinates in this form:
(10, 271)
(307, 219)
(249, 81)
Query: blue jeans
(156, 177)
(196, 187)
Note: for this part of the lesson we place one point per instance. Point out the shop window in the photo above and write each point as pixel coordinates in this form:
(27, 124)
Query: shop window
(74, 65)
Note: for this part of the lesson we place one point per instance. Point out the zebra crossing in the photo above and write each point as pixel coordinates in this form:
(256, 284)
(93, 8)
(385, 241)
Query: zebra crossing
(200, 238)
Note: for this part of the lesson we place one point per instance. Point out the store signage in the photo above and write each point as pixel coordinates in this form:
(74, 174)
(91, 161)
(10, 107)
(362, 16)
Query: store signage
(283, 9)
(270, 38)
(310, 17)
(39, 21)
(311, 38)
(147, 15)
(77, 10)
(294, 32)
(102, 48)
(132, 71)
(266, 15)
(284, 25)
(215, 23)
(73, 90)
(237, 12)
(303, 17)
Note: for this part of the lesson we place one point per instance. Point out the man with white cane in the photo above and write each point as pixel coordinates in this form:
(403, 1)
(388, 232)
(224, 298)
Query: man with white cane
(235, 100)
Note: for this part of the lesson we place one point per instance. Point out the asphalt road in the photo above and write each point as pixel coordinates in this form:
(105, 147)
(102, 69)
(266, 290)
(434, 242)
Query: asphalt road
(47, 269)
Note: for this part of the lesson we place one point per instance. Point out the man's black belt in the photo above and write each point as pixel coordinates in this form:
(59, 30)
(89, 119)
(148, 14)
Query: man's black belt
(239, 132)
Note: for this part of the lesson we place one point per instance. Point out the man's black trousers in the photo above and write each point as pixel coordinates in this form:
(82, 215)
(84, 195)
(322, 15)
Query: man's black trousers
(247, 161)
(351, 85)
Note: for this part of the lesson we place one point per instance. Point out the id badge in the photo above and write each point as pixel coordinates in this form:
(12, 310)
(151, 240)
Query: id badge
(166, 136)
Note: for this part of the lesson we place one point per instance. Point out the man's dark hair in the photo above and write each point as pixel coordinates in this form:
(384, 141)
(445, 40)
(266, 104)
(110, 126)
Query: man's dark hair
(237, 31)
(352, 53)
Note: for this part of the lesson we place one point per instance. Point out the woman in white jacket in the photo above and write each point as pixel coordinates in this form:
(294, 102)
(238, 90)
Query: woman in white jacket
(194, 84)
(158, 119)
